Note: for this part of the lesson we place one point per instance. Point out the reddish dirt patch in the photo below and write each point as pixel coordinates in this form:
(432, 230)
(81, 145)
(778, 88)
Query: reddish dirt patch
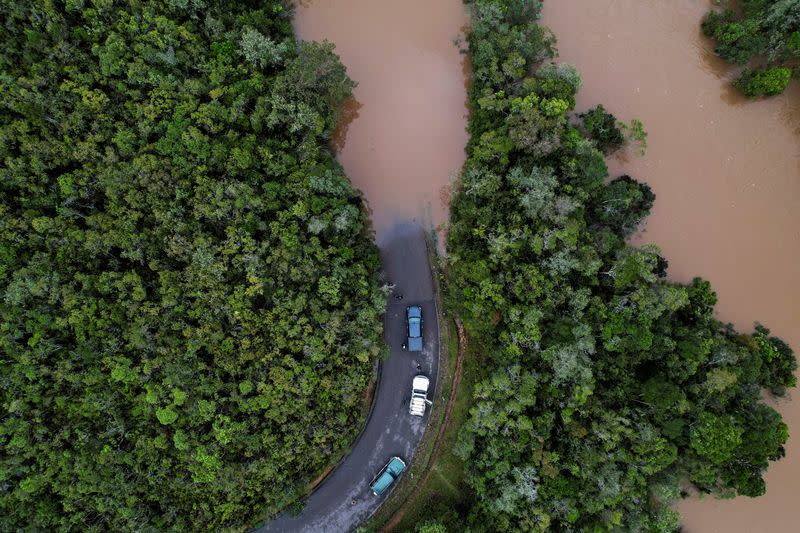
(366, 401)
(321, 478)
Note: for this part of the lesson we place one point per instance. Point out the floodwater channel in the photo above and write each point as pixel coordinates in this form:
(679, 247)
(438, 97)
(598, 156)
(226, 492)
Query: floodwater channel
(726, 173)
(402, 138)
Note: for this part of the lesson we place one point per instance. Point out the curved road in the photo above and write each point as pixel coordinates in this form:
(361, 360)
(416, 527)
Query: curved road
(390, 430)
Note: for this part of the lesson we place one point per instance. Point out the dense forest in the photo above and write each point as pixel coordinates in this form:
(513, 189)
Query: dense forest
(762, 34)
(607, 389)
(189, 302)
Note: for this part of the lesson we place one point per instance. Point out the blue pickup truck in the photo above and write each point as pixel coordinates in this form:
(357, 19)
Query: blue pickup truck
(414, 316)
(387, 475)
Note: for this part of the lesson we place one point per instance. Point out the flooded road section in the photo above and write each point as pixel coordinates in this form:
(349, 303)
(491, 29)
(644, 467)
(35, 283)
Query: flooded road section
(403, 138)
(726, 173)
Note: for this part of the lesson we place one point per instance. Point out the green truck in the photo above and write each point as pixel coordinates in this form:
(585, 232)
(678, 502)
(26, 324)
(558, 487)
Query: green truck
(387, 476)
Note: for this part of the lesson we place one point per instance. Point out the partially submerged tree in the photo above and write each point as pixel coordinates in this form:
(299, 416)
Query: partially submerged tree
(767, 32)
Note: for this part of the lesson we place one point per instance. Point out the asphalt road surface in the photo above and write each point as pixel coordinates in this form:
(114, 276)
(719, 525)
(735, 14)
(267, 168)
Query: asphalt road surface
(390, 429)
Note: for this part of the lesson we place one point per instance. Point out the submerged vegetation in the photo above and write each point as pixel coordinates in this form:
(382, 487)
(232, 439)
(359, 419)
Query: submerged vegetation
(189, 309)
(766, 32)
(606, 386)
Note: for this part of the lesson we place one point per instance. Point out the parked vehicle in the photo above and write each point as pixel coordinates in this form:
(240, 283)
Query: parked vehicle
(414, 317)
(419, 395)
(387, 476)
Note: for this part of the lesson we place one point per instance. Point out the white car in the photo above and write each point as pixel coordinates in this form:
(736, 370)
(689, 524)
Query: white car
(419, 396)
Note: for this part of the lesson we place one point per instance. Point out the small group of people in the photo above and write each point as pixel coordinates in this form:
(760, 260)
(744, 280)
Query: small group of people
(391, 286)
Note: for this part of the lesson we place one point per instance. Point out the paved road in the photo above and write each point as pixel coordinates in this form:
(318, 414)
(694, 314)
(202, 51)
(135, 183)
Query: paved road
(390, 430)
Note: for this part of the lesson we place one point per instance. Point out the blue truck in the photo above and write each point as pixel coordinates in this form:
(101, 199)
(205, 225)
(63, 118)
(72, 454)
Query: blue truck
(414, 317)
(387, 475)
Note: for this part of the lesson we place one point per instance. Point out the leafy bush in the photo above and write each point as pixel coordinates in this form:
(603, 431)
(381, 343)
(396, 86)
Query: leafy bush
(765, 30)
(601, 126)
(765, 82)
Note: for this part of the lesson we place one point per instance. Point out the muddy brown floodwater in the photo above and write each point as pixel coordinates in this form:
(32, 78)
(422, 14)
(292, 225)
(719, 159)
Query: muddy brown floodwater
(726, 173)
(403, 137)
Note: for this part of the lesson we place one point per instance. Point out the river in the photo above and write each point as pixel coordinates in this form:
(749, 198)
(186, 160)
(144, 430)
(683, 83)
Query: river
(402, 138)
(726, 173)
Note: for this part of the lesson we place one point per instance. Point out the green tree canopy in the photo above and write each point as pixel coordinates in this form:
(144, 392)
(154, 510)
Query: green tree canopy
(767, 31)
(188, 291)
(605, 385)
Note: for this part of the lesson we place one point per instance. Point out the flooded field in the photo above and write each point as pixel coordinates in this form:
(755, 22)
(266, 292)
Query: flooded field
(404, 134)
(726, 173)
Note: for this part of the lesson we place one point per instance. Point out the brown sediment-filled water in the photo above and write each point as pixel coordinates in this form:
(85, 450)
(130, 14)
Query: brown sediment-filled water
(726, 173)
(402, 139)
